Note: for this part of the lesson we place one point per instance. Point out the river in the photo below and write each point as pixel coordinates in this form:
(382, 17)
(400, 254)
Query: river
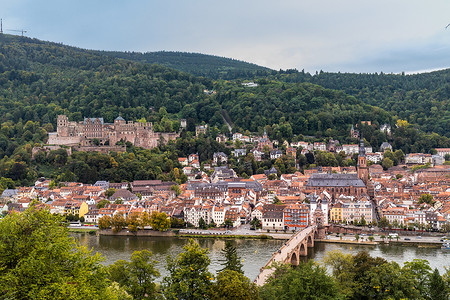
(254, 253)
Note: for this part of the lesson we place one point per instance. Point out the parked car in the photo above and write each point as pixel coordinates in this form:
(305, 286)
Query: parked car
(407, 239)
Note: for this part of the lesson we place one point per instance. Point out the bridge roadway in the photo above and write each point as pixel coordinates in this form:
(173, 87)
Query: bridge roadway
(289, 252)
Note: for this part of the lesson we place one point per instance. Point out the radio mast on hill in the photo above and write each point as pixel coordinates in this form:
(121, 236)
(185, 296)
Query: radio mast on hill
(1, 25)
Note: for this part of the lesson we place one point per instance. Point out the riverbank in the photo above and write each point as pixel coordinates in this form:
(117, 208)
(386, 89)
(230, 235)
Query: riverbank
(83, 230)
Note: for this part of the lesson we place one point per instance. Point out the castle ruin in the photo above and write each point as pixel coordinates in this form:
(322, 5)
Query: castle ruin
(95, 132)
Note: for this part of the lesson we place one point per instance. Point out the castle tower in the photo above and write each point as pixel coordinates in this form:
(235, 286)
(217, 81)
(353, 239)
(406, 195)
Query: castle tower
(62, 125)
(363, 170)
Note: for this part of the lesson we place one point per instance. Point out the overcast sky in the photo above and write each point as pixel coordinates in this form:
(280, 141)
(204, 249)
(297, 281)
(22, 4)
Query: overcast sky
(331, 35)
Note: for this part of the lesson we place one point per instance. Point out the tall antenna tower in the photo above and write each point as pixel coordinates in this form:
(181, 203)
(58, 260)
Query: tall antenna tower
(1, 25)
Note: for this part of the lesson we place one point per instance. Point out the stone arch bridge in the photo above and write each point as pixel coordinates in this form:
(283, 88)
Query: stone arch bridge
(291, 251)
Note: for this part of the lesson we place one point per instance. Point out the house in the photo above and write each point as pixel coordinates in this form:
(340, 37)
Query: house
(183, 161)
(91, 216)
(418, 158)
(376, 157)
(443, 151)
(124, 195)
(275, 154)
(271, 171)
(218, 215)
(221, 138)
(385, 146)
(200, 129)
(273, 217)
(233, 215)
(9, 194)
(219, 158)
(292, 152)
(192, 157)
(237, 136)
(350, 149)
(320, 146)
(222, 173)
(240, 152)
(336, 213)
(258, 155)
(296, 216)
(76, 208)
(195, 164)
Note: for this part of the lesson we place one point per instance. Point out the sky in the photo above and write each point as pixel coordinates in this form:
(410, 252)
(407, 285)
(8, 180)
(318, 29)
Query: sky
(390, 36)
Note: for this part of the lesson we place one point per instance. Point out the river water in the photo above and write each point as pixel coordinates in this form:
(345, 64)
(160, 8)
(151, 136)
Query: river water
(254, 253)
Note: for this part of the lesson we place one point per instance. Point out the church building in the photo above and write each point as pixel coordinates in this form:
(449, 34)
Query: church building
(343, 184)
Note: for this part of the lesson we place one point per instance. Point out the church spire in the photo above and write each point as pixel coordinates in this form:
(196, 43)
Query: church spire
(362, 149)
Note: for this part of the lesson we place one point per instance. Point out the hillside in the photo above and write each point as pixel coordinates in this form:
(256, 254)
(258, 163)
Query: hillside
(421, 99)
(214, 67)
(40, 80)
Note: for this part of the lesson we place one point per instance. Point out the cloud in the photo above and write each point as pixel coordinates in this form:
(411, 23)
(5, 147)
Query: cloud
(345, 35)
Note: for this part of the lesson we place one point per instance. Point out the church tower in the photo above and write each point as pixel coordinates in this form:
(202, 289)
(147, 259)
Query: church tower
(363, 170)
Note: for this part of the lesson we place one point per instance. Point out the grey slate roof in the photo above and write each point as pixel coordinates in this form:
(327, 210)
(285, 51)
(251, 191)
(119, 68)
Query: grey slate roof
(9, 193)
(335, 180)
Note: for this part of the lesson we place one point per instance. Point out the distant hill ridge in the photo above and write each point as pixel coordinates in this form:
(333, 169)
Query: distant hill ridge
(206, 65)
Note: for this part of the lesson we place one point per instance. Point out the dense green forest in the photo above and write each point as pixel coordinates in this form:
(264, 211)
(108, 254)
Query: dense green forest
(211, 66)
(40, 80)
(422, 99)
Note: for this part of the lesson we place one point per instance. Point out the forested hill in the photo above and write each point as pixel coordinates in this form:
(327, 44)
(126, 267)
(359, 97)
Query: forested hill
(421, 99)
(39, 80)
(214, 67)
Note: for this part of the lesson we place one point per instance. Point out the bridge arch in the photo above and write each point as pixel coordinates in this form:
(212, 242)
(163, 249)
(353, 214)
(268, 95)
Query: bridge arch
(310, 241)
(302, 250)
(294, 259)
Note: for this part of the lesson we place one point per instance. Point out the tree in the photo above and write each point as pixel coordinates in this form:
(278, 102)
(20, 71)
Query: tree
(133, 221)
(176, 223)
(118, 222)
(437, 288)
(104, 222)
(232, 260)
(387, 163)
(189, 277)
(109, 192)
(277, 201)
(426, 198)
(255, 223)
(102, 203)
(144, 219)
(202, 224)
(137, 276)
(363, 221)
(307, 281)
(176, 188)
(383, 223)
(37, 249)
(228, 223)
(420, 270)
(233, 285)
(341, 265)
(159, 221)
